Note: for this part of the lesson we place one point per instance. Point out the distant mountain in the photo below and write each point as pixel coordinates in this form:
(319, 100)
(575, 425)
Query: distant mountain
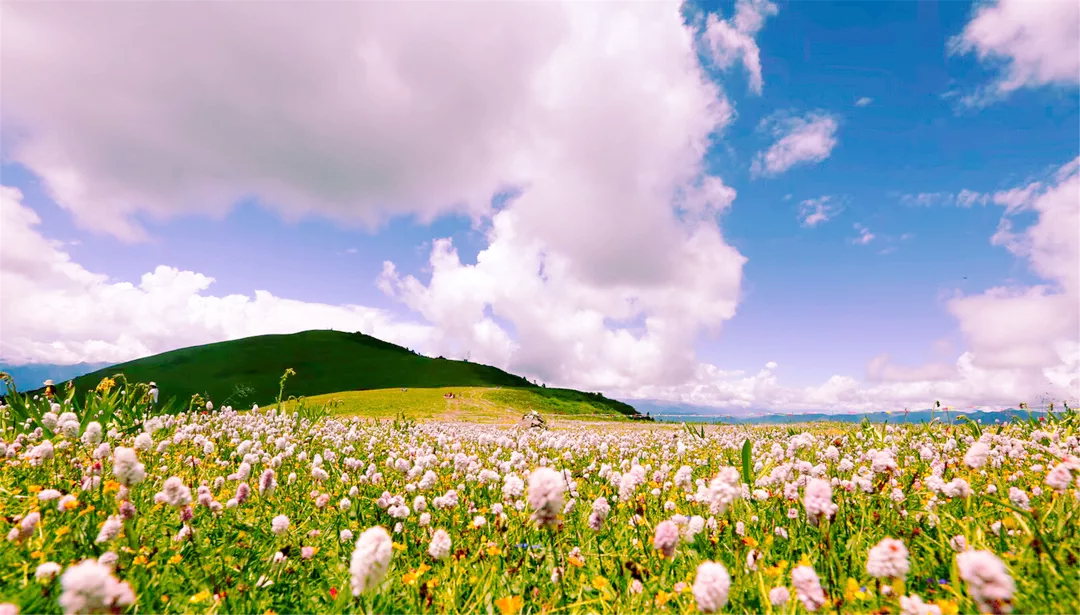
(246, 371)
(679, 413)
(32, 375)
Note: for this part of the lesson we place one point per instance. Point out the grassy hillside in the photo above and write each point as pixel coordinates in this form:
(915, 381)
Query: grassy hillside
(474, 404)
(245, 371)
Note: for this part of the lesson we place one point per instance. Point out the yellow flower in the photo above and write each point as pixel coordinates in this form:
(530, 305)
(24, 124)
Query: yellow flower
(510, 604)
(105, 385)
(139, 560)
(749, 541)
(948, 607)
(176, 559)
(575, 561)
(36, 554)
(35, 489)
(411, 577)
(165, 598)
(662, 597)
(599, 583)
(397, 546)
(493, 549)
(69, 504)
(200, 597)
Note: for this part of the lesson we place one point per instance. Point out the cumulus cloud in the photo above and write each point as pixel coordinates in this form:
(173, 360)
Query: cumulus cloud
(357, 111)
(732, 40)
(602, 268)
(1021, 342)
(53, 310)
(799, 140)
(1032, 44)
(1037, 327)
(813, 212)
(864, 101)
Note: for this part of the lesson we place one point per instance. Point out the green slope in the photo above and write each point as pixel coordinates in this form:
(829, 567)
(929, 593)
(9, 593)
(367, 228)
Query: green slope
(468, 404)
(246, 371)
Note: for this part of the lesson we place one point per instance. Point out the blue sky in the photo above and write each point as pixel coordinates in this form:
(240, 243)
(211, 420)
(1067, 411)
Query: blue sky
(811, 299)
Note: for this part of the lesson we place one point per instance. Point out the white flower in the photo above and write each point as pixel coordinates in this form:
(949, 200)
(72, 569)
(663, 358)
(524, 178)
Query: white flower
(1059, 478)
(49, 494)
(144, 442)
(913, 605)
(279, 525)
(711, 587)
(600, 511)
(958, 543)
(724, 489)
(90, 587)
(440, 544)
(92, 435)
(546, 495)
(126, 467)
(779, 596)
(889, 559)
(818, 500)
(988, 581)
(977, 455)
(370, 559)
(47, 570)
(666, 538)
(174, 492)
(110, 529)
(808, 587)
(1019, 498)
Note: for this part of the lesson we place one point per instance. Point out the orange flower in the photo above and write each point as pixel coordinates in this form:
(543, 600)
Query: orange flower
(510, 604)
(575, 561)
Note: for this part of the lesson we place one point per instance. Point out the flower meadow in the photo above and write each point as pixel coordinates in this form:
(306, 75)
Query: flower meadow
(259, 511)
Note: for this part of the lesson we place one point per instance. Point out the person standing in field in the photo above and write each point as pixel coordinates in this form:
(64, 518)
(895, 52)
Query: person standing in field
(152, 395)
(50, 390)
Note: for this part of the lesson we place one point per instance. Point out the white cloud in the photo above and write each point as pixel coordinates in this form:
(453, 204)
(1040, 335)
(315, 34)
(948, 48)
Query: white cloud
(357, 111)
(1033, 43)
(600, 115)
(731, 40)
(964, 198)
(865, 236)
(52, 310)
(813, 212)
(882, 369)
(1021, 343)
(799, 140)
(864, 101)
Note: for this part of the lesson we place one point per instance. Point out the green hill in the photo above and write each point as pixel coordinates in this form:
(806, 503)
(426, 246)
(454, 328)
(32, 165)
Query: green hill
(246, 371)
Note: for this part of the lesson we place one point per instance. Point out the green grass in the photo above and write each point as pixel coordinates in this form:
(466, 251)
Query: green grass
(472, 404)
(246, 371)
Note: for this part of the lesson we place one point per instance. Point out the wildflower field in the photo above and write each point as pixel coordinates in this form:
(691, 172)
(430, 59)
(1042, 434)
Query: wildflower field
(107, 509)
